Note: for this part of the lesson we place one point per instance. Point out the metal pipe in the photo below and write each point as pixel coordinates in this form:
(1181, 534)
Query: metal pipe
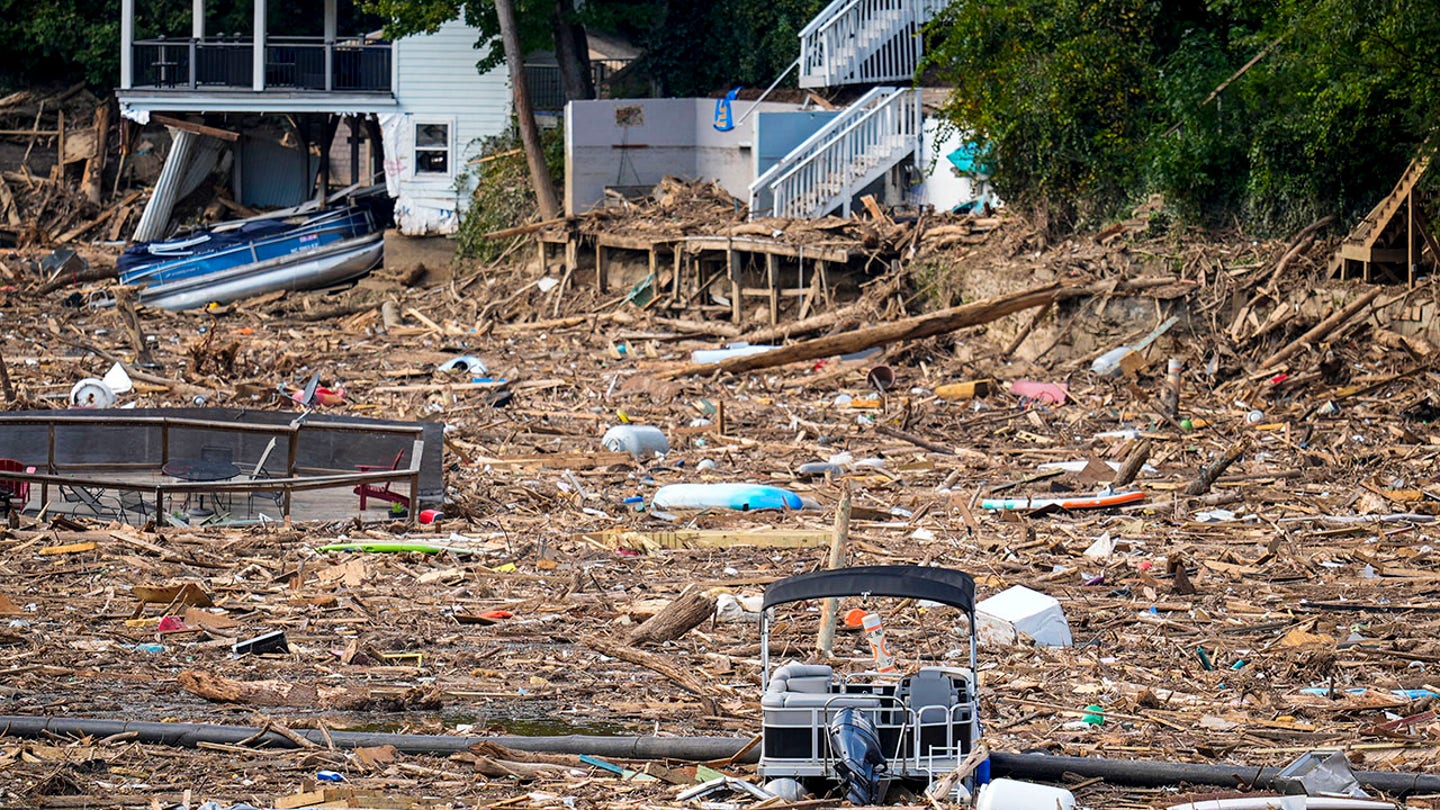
(1039, 767)
(186, 735)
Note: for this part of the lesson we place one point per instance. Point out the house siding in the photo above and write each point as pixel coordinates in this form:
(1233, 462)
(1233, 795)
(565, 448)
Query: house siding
(436, 81)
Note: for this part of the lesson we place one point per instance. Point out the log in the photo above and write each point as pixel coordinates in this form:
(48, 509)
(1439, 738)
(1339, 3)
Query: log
(688, 611)
(916, 328)
(6, 386)
(1207, 476)
(1133, 463)
(918, 441)
(125, 299)
(655, 663)
(95, 164)
(1321, 329)
(831, 615)
(93, 273)
(214, 688)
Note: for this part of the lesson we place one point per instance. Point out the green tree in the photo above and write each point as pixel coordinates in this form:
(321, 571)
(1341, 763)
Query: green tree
(1060, 90)
(1090, 104)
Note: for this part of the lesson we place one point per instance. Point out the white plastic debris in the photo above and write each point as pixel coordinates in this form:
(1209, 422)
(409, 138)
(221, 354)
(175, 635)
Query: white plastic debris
(1018, 614)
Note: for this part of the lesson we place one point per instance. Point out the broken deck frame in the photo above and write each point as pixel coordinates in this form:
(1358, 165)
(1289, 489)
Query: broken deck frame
(689, 266)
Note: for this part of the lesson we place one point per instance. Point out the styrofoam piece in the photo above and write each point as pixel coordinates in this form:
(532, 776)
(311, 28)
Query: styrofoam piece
(1017, 614)
(1008, 794)
(118, 380)
(731, 350)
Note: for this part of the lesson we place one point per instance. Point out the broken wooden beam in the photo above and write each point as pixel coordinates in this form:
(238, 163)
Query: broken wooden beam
(915, 328)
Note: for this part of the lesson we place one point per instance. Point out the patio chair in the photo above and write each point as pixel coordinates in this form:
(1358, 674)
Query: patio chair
(91, 499)
(13, 489)
(379, 492)
(259, 473)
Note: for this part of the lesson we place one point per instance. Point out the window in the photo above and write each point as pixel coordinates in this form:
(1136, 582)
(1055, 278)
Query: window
(432, 148)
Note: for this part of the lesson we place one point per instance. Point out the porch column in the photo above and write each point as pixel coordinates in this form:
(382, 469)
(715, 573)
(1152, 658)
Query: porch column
(197, 33)
(127, 44)
(258, 83)
(330, 26)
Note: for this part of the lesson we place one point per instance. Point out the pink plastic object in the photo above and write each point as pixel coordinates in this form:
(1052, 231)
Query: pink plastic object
(1052, 393)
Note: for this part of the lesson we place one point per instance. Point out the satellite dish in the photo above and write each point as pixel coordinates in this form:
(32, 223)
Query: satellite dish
(91, 393)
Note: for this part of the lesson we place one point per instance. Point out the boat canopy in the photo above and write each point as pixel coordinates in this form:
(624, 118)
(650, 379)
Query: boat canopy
(944, 585)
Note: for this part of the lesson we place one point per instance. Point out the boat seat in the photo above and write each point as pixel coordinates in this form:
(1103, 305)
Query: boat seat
(797, 677)
(799, 708)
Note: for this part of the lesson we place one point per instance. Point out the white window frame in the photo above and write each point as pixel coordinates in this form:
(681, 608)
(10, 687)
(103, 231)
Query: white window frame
(416, 148)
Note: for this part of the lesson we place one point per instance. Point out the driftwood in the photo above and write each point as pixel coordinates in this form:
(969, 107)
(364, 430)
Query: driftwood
(916, 328)
(688, 611)
(1321, 329)
(212, 687)
(1207, 476)
(93, 273)
(683, 679)
(830, 616)
(1133, 464)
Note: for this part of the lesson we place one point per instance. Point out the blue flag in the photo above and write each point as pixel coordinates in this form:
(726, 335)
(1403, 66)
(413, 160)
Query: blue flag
(724, 115)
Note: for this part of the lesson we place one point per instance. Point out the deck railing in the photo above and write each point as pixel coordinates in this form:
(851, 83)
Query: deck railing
(295, 479)
(291, 63)
(864, 41)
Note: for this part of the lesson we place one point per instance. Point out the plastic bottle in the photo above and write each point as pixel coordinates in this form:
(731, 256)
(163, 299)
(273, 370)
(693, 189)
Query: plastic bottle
(640, 441)
(741, 497)
(875, 634)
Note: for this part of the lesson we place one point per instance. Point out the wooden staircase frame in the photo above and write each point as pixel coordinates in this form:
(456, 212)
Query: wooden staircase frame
(1372, 243)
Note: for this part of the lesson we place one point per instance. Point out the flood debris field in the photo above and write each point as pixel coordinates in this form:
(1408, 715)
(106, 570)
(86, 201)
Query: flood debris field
(1284, 602)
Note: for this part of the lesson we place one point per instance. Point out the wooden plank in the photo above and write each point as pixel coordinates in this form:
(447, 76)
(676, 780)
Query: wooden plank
(709, 538)
(198, 129)
(771, 272)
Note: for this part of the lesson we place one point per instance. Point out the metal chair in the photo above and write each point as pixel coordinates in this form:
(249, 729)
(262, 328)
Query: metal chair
(273, 496)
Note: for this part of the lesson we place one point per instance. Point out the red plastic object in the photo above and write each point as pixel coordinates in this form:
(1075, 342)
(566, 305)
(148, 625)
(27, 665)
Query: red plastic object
(430, 515)
(173, 624)
(496, 615)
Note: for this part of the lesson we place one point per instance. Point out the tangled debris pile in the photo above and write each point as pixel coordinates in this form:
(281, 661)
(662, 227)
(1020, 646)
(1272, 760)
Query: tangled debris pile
(1272, 594)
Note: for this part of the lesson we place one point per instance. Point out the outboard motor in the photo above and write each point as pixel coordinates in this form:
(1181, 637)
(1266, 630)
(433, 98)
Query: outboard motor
(859, 760)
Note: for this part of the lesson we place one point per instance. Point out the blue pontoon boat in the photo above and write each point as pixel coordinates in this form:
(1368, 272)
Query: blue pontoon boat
(258, 257)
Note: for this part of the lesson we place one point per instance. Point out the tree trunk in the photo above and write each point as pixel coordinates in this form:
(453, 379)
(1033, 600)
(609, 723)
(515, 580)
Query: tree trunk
(572, 51)
(525, 114)
(688, 611)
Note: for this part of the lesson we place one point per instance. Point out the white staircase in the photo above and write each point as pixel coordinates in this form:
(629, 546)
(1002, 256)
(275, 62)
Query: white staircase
(864, 42)
(854, 149)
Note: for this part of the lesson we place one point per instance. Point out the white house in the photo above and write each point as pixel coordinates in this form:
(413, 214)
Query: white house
(264, 98)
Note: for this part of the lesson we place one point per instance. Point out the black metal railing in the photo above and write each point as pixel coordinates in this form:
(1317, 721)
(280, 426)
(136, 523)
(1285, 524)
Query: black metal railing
(547, 92)
(291, 63)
